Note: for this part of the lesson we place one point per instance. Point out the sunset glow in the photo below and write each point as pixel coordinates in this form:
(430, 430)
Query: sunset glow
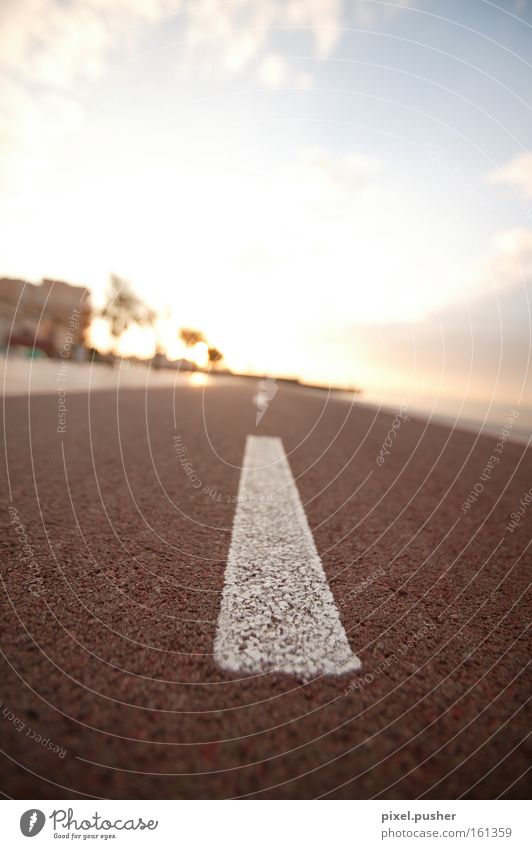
(309, 219)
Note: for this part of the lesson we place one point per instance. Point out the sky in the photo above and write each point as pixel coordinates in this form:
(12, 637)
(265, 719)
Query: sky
(335, 189)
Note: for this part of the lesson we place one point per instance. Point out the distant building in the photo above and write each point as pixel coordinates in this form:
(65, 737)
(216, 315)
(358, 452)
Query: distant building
(51, 316)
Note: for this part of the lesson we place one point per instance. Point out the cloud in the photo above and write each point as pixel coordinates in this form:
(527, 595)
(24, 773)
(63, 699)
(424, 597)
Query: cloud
(476, 347)
(324, 17)
(51, 52)
(230, 36)
(516, 173)
(513, 263)
(274, 72)
(55, 53)
(58, 44)
(65, 48)
(322, 176)
(224, 36)
(507, 266)
(368, 13)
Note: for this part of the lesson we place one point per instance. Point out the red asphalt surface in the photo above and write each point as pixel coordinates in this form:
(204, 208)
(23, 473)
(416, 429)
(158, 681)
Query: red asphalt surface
(110, 657)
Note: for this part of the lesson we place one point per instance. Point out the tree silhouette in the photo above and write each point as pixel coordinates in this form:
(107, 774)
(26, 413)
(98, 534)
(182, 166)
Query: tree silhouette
(124, 307)
(191, 337)
(215, 356)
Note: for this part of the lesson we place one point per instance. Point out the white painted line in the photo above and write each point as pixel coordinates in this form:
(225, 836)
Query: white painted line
(277, 612)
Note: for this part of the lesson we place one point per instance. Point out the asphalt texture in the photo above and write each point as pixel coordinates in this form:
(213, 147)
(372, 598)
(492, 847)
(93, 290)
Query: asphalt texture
(112, 572)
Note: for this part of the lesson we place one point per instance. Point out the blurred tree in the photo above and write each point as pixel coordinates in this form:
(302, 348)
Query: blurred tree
(191, 337)
(124, 307)
(215, 356)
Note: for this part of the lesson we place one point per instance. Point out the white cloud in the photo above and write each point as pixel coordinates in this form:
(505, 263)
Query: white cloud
(345, 173)
(368, 13)
(31, 128)
(53, 52)
(49, 51)
(513, 264)
(273, 71)
(516, 173)
(59, 44)
(229, 36)
(224, 36)
(62, 47)
(507, 266)
(324, 17)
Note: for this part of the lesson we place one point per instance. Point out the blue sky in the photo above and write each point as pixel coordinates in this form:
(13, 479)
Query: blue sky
(299, 178)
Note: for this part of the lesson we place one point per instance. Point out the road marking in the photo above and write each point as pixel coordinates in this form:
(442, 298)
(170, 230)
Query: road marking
(277, 612)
